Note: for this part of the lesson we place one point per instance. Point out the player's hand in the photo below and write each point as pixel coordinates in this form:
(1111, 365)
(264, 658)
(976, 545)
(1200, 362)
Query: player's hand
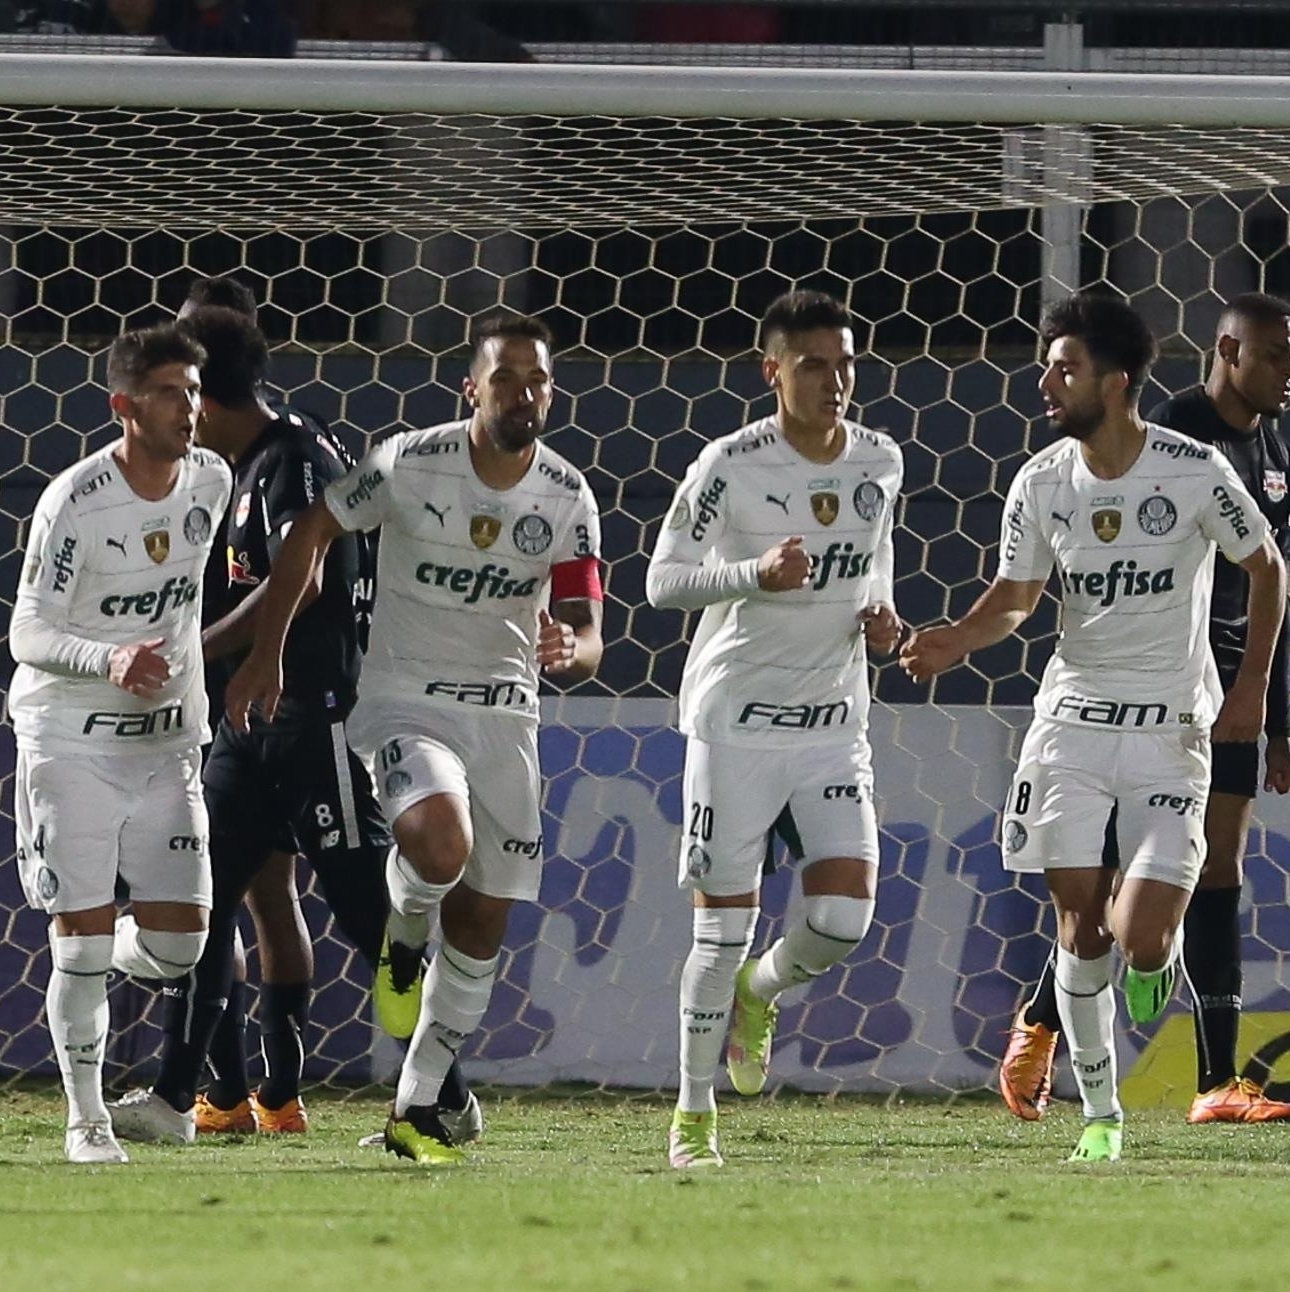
(1240, 720)
(556, 644)
(930, 651)
(784, 567)
(139, 669)
(256, 684)
(882, 629)
(1276, 776)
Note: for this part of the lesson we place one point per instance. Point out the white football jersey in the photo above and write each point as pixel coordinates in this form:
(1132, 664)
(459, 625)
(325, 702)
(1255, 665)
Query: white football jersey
(1134, 556)
(785, 668)
(108, 566)
(463, 569)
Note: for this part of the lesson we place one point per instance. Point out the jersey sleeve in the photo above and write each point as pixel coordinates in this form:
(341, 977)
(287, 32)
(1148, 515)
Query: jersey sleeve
(38, 632)
(580, 537)
(1025, 554)
(296, 479)
(1230, 517)
(882, 590)
(363, 496)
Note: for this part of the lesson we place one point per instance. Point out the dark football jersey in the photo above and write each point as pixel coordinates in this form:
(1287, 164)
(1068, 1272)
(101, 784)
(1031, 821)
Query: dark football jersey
(1262, 461)
(278, 476)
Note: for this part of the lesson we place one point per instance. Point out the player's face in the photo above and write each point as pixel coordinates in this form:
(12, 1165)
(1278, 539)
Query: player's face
(510, 388)
(813, 374)
(160, 417)
(1261, 374)
(1074, 391)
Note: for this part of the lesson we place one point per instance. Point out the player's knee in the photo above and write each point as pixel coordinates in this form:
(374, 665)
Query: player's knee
(171, 955)
(80, 956)
(440, 859)
(844, 920)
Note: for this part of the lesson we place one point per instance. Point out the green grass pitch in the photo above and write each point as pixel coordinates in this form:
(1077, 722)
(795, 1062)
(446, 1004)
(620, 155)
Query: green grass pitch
(575, 1194)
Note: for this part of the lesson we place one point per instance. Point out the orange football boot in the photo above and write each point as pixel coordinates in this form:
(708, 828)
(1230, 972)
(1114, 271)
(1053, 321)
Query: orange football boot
(290, 1119)
(1026, 1074)
(1237, 1100)
(224, 1121)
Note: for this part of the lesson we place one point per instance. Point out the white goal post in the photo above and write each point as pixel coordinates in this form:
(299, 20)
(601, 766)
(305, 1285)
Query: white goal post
(650, 215)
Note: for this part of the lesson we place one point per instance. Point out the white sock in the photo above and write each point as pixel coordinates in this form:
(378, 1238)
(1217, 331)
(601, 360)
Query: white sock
(152, 953)
(1086, 1006)
(827, 929)
(454, 998)
(414, 902)
(722, 937)
(76, 1006)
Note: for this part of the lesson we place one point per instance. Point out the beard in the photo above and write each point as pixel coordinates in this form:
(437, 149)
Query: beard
(1080, 422)
(514, 432)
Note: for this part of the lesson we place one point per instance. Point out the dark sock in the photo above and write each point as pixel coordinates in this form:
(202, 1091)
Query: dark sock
(194, 1006)
(1212, 959)
(1042, 1006)
(229, 1084)
(284, 1021)
(454, 1092)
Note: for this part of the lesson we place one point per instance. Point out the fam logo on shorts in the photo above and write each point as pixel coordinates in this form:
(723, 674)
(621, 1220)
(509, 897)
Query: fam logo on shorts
(1157, 515)
(1015, 836)
(697, 862)
(396, 783)
(485, 526)
(197, 525)
(868, 500)
(531, 534)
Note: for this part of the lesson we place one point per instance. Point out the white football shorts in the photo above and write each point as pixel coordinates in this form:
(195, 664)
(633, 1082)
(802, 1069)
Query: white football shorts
(1069, 777)
(490, 761)
(83, 820)
(818, 799)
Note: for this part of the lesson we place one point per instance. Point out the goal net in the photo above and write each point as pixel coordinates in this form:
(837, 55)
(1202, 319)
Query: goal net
(650, 216)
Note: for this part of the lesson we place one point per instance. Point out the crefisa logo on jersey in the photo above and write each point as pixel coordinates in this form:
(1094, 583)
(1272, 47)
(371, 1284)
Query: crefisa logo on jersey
(868, 500)
(531, 534)
(1274, 485)
(1157, 515)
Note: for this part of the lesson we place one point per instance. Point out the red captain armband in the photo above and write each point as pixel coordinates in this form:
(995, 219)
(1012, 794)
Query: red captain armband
(578, 579)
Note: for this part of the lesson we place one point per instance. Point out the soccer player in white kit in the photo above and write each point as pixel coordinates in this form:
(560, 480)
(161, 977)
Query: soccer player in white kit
(109, 710)
(1129, 514)
(775, 695)
(482, 526)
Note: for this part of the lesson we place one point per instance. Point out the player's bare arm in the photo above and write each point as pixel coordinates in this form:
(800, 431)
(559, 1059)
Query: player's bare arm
(569, 643)
(1245, 706)
(259, 679)
(236, 630)
(1000, 610)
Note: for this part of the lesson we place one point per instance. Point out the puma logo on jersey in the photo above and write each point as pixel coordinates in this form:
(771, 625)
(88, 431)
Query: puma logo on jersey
(782, 503)
(118, 543)
(436, 513)
(1066, 519)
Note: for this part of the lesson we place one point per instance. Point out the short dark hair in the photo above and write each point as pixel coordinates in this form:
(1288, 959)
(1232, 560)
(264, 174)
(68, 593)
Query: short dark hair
(223, 293)
(506, 323)
(1115, 335)
(1254, 307)
(801, 311)
(237, 355)
(136, 353)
